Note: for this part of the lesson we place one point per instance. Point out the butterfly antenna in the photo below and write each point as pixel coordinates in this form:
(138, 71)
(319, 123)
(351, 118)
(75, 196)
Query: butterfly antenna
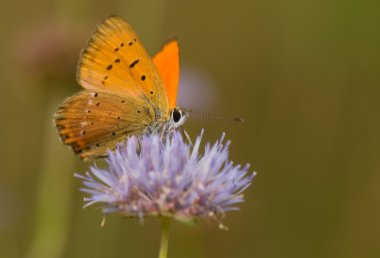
(214, 116)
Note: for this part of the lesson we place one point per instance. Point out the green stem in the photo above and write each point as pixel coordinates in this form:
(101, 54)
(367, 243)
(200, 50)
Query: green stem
(165, 222)
(52, 217)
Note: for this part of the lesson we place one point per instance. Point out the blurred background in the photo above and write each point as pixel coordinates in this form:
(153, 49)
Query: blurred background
(303, 74)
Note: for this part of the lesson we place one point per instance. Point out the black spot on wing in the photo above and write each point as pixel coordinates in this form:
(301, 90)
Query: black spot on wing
(104, 80)
(134, 63)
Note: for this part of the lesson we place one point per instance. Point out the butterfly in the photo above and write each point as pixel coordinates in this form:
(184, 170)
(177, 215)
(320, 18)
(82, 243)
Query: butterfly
(126, 92)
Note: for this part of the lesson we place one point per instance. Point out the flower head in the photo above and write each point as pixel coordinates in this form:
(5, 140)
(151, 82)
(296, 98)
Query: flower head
(154, 177)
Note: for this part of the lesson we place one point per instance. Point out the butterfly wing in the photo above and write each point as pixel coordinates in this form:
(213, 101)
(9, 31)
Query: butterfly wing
(167, 64)
(92, 122)
(115, 61)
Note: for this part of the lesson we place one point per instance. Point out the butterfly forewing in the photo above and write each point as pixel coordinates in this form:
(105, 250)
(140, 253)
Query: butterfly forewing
(92, 122)
(167, 64)
(116, 61)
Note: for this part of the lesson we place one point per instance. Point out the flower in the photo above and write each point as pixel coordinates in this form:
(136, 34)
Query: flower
(49, 49)
(154, 177)
(196, 89)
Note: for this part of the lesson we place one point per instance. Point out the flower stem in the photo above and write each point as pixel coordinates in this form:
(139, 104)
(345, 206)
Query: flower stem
(165, 222)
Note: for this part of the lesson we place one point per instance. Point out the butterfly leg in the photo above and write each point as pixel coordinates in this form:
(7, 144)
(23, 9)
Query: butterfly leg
(186, 135)
(139, 144)
(163, 132)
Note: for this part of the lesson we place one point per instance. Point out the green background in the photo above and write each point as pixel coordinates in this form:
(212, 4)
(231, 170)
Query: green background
(303, 74)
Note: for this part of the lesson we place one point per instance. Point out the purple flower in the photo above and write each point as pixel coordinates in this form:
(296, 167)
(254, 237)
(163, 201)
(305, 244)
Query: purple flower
(154, 177)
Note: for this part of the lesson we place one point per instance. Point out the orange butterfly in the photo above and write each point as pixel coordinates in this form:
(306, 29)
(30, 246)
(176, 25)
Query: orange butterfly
(126, 92)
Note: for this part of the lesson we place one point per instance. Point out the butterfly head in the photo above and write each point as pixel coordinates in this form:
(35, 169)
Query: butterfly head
(178, 117)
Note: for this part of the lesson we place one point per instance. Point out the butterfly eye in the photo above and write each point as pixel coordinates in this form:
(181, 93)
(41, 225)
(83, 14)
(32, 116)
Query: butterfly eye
(176, 115)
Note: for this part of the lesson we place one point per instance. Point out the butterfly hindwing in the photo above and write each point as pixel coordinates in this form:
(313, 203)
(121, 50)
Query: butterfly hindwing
(115, 60)
(92, 122)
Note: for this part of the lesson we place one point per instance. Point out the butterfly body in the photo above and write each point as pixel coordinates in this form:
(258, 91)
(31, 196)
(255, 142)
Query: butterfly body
(126, 92)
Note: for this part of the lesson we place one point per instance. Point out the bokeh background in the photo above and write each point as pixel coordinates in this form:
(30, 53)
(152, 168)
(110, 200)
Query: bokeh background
(303, 74)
